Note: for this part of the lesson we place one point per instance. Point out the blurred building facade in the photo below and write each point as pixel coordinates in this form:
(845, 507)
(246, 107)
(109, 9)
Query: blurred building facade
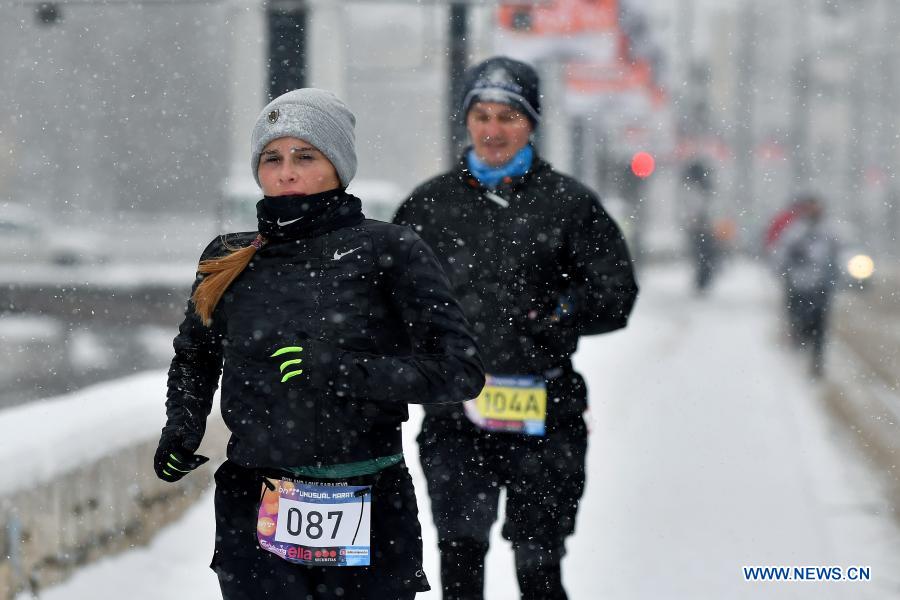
(144, 107)
(790, 97)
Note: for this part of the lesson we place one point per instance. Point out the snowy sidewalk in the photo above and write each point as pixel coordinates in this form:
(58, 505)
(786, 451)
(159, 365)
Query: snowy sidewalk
(710, 451)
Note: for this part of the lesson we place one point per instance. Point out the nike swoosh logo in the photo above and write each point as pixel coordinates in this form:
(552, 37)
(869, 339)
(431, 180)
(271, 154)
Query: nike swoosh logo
(340, 255)
(283, 223)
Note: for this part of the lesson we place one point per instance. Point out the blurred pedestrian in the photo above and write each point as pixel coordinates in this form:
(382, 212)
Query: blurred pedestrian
(811, 271)
(328, 324)
(703, 244)
(783, 220)
(773, 245)
(704, 250)
(536, 262)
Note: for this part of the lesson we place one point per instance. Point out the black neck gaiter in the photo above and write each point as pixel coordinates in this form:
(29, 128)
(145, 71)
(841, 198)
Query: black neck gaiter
(296, 217)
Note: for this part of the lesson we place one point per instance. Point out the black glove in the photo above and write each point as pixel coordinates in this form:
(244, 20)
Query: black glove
(172, 461)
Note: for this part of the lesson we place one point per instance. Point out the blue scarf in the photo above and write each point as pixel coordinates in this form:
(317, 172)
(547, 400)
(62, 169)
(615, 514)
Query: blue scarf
(490, 176)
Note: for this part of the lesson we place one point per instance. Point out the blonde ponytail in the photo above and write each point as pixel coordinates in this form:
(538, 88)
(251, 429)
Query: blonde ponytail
(220, 273)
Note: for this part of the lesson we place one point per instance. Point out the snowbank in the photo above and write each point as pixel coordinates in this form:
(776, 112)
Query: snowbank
(49, 437)
(77, 483)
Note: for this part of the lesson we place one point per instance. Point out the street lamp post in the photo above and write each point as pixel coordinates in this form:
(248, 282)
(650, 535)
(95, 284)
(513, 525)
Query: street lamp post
(745, 95)
(457, 50)
(287, 23)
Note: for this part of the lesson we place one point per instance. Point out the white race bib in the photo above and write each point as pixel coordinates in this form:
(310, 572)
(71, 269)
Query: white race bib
(316, 524)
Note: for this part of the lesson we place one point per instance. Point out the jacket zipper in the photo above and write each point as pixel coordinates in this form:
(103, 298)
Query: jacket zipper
(320, 272)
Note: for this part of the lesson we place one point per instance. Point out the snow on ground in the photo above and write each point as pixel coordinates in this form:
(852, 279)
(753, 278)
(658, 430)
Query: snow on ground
(710, 451)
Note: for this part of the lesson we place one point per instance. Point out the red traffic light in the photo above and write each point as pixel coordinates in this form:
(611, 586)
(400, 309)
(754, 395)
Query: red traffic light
(642, 164)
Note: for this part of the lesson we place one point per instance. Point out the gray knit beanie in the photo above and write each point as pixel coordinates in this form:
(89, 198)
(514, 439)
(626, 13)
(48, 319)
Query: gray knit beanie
(316, 116)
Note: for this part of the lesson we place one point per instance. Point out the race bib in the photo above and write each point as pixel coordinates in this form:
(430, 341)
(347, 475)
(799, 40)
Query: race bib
(315, 523)
(512, 403)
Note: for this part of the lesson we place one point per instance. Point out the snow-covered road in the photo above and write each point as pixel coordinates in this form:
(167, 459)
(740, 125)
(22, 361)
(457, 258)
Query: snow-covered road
(710, 451)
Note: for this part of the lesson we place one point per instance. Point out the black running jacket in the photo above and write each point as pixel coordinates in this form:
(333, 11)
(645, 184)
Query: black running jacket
(515, 254)
(371, 308)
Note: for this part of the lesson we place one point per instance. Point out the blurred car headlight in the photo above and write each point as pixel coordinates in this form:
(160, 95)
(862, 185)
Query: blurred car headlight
(860, 266)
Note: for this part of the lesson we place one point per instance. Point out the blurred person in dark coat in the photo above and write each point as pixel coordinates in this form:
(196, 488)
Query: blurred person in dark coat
(809, 263)
(536, 262)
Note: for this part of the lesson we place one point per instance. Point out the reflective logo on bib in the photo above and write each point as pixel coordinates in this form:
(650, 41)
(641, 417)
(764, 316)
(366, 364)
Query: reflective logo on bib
(316, 524)
(512, 403)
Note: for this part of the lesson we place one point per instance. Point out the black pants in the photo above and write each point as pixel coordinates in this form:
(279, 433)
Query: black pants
(544, 479)
(705, 257)
(247, 572)
(808, 313)
(259, 579)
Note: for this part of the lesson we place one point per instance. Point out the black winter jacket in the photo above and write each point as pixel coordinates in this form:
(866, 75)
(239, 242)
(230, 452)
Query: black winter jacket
(553, 240)
(379, 328)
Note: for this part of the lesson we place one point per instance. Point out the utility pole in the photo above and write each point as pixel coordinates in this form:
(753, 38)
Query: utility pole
(801, 80)
(457, 60)
(287, 24)
(686, 50)
(858, 107)
(744, 138)
(887, 210)
(893, 190)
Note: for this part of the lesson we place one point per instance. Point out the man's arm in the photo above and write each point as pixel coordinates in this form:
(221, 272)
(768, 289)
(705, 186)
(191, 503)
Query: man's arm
(444, 365)
(603, 286)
